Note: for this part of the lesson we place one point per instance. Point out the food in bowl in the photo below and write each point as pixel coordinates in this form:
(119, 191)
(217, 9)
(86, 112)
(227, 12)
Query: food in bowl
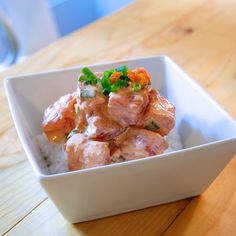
(113, 116)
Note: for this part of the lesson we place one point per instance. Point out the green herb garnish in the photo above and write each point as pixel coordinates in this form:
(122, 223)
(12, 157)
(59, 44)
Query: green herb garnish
(122, 83)
(108, 73)
(72, 132)
(152, 126)
(76, 108)
(105, 83)
(136, 87)
(87, 76)
(115, 87)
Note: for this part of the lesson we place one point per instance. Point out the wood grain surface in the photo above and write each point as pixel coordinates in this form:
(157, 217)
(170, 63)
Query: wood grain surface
(200, 35)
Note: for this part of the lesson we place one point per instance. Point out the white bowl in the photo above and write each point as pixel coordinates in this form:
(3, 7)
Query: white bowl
(207, 133)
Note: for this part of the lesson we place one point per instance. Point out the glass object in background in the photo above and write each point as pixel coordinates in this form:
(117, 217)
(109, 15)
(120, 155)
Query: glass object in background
(32, 22)
(38, 23)
(8, 44)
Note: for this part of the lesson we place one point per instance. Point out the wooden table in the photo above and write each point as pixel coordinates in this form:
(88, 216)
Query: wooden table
(200, 35)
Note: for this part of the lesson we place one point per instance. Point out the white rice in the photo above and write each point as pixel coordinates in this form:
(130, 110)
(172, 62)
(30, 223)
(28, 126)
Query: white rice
(53, 156)
(174, 141)
(54, 159)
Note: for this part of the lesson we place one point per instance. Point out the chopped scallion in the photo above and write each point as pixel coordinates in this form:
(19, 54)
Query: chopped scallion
(108, 73)
(88, 93)
(87, 76)
(152, 126)
(122, 83)
(136, 87)
(86, 71)
(105, 85)
(115, 87)
(83, 78)
(76, 108)
(72, 132)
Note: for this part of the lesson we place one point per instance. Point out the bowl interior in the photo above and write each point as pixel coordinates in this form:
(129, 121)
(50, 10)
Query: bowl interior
(199, 119)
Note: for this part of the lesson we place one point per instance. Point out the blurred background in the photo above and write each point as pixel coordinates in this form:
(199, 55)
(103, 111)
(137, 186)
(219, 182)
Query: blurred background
(28, 25)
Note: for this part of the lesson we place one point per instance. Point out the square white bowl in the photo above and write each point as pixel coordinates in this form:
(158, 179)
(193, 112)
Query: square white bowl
(207, 133)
